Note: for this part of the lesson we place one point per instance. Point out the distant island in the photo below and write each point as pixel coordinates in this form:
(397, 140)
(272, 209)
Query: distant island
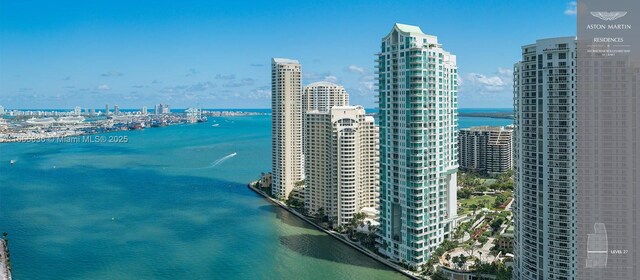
(495, 115)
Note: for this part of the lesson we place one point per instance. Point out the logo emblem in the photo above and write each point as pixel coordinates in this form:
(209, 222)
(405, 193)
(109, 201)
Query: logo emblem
(608, 16)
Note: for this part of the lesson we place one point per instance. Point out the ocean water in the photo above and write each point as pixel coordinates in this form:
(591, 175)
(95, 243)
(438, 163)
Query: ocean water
(171, 203)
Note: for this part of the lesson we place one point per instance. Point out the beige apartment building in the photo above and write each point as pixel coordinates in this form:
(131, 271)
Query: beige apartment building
(342, 162)
(286, 126)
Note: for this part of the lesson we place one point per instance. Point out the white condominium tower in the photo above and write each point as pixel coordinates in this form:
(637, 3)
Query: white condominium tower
(418, 138)
(545, 167)
(321, 96)
(342, 167)
(286, 126)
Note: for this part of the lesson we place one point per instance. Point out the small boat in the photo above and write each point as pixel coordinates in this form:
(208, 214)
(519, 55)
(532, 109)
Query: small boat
(12, 161)
(214, 125)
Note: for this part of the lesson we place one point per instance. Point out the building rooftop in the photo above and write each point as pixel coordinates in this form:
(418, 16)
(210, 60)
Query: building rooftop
(285, 60)
(324, 83)
(408, 28)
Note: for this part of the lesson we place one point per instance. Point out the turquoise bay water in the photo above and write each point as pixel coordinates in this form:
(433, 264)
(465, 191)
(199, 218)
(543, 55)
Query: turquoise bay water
(171, 203)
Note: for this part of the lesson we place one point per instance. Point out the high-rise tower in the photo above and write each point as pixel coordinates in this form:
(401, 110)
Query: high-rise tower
(418, 144)
(321, 96)
(286, 126)
(341, 149)
(545, 160)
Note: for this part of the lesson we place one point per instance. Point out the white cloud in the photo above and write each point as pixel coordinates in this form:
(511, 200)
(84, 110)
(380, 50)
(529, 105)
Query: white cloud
(500, 81)
(572, 8)
(366, 85)
(240, 83)
(355, 69)
(104, 87)
(201, 87)
(310, 77)
(331, 79)
(259, 94)
(192, 72)
(225, 77)
(112, 74)
(505, 71)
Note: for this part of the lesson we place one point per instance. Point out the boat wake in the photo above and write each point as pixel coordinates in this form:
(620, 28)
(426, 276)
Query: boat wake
(223, 159)
(212, 165)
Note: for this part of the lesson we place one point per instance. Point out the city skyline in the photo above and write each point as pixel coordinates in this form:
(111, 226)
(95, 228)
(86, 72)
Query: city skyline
(116, 53)
(487, 152)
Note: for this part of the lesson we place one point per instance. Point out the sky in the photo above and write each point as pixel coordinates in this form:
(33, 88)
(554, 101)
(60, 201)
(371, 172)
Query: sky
(217, 54)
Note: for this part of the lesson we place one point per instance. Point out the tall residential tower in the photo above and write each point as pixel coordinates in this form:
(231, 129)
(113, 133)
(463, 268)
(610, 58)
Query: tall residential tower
(342, 163)
(321, 96)
(418, 144)
(286, 126)
(545, 160)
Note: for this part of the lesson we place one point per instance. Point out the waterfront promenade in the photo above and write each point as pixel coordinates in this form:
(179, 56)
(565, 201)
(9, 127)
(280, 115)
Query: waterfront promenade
(338, 236)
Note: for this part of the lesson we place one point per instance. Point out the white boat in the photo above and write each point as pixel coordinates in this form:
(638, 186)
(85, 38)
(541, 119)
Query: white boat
(214, 125)
(41, 121)
(71, 119)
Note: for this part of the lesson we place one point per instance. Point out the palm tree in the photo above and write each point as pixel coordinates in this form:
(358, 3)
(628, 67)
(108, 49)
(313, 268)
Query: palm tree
(461, 261)
(357, 220)
(456, 260)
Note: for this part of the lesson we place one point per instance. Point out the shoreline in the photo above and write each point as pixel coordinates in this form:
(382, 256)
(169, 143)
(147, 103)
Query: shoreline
(5, 271)
(337, 236)
(127, 122)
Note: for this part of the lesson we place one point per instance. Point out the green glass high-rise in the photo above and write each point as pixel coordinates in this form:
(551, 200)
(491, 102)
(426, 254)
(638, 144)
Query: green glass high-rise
(417, 86)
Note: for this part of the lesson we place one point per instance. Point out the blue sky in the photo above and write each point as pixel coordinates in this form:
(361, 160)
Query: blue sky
(216, 54)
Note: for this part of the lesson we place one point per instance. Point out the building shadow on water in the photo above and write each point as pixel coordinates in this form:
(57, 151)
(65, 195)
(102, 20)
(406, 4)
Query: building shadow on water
(325, 247)
(285, 217)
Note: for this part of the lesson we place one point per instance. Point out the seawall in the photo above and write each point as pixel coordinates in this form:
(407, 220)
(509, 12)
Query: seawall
(5, 272)
(339, 237)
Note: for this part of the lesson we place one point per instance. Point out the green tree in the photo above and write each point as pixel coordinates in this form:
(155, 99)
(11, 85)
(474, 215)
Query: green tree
(438, 275)
(464, 193)
(496, 223)
(483, 239)
(356, 221)
(320, 215)
(462, 259)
